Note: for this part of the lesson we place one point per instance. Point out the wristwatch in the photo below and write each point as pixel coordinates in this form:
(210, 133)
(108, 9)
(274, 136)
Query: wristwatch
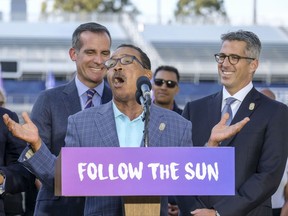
(217, 213)
(2, 189)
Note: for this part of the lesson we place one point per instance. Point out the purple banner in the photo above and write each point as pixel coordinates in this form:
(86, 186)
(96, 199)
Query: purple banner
(147, 171)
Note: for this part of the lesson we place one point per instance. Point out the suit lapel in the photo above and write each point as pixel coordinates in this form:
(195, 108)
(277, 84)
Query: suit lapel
(156, 119)
(250, 103)
(107, 94)
(104, 121)
(214, 110)
(70, 98)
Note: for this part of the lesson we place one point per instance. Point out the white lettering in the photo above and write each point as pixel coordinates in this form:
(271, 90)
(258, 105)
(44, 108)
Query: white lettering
(100, 172)
(92, 171)
(174, 170)
(124, 171)
(201, 171)
(189, 170)
(166, 171)
(81, 170)
(154, 167)
(111, 172)
(198, 171)
(134, 172)
(213, 172)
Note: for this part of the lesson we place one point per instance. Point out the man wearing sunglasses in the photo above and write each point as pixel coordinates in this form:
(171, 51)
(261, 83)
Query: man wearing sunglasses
(165, 87)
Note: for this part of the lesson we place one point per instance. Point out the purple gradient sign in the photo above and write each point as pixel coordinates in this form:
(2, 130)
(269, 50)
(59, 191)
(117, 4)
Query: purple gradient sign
(146, 171)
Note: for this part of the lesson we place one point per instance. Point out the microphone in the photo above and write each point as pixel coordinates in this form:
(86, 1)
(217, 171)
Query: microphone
(139, 98)
(144, 86)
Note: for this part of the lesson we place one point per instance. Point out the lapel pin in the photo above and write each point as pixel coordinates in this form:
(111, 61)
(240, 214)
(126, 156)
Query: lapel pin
(162, 126)
(251, 106)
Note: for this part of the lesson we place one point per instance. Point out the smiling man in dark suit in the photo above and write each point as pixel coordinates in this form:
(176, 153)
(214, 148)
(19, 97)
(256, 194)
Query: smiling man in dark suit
(260, 147)
(91, 43)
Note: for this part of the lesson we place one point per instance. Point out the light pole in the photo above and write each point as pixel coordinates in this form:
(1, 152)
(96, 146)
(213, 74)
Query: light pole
(159, 11)
(255, 12)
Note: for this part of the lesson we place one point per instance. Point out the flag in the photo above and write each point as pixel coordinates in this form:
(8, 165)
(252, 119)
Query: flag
(2, 89)
(1, 80)
(50, 80)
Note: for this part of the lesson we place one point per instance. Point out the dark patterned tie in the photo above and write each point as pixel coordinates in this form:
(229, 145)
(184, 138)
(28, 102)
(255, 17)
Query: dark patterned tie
(90, 94)
(227, 109)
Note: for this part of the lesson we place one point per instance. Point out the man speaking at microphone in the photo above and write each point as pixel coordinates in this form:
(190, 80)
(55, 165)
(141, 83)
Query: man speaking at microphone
(118, 123)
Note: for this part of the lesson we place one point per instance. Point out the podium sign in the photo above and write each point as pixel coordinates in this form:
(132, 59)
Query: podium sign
(152, 171)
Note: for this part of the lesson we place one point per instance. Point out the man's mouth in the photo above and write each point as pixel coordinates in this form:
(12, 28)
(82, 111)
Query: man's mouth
(96, 69)
(118, 81)
(227, 72)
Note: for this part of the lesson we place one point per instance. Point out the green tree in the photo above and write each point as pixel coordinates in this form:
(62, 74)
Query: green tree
(88, 6)
(77, 5)
(205, 9)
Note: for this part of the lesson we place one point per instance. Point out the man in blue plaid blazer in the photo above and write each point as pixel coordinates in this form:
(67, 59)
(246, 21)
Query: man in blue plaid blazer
(101, 126)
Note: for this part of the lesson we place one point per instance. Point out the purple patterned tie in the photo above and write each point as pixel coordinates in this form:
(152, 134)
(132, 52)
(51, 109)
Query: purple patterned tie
(90, 94)
(227, 109)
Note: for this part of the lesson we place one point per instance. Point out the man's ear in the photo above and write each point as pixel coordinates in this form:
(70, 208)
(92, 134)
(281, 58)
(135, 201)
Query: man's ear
(72, 54)
(254, 65)
(148, 73)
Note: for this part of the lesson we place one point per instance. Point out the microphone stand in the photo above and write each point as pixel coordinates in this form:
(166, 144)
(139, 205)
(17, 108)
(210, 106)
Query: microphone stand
(146, 106)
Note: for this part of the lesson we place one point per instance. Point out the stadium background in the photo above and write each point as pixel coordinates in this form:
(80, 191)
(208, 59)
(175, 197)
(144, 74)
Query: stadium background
(34, 55)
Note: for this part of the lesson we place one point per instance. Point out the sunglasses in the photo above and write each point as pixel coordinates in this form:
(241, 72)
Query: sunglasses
(169, 83)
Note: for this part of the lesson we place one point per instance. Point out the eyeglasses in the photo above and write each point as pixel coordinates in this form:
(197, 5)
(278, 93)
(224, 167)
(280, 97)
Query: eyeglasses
(233, 59)
(125, 60)
(169, 83)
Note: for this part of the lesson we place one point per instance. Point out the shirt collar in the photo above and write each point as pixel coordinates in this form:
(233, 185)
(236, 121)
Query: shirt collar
(240, 95)
(118, 113)
(83, 88)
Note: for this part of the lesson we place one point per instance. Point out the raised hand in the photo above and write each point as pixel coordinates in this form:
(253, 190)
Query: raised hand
(221, 131)
(27, 132)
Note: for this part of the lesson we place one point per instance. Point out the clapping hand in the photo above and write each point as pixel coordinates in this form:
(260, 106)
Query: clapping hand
(221, 131)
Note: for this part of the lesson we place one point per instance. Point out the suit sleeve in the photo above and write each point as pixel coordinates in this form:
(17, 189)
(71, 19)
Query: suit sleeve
(263, 183)
(42, 163)
(187, 135)
(17, 177)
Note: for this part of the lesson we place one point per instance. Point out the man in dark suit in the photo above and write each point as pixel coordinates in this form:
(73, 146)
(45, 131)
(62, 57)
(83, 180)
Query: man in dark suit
(91, 43)
(13, 203)
(260, 147)
(103, 126)
(14, 178)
